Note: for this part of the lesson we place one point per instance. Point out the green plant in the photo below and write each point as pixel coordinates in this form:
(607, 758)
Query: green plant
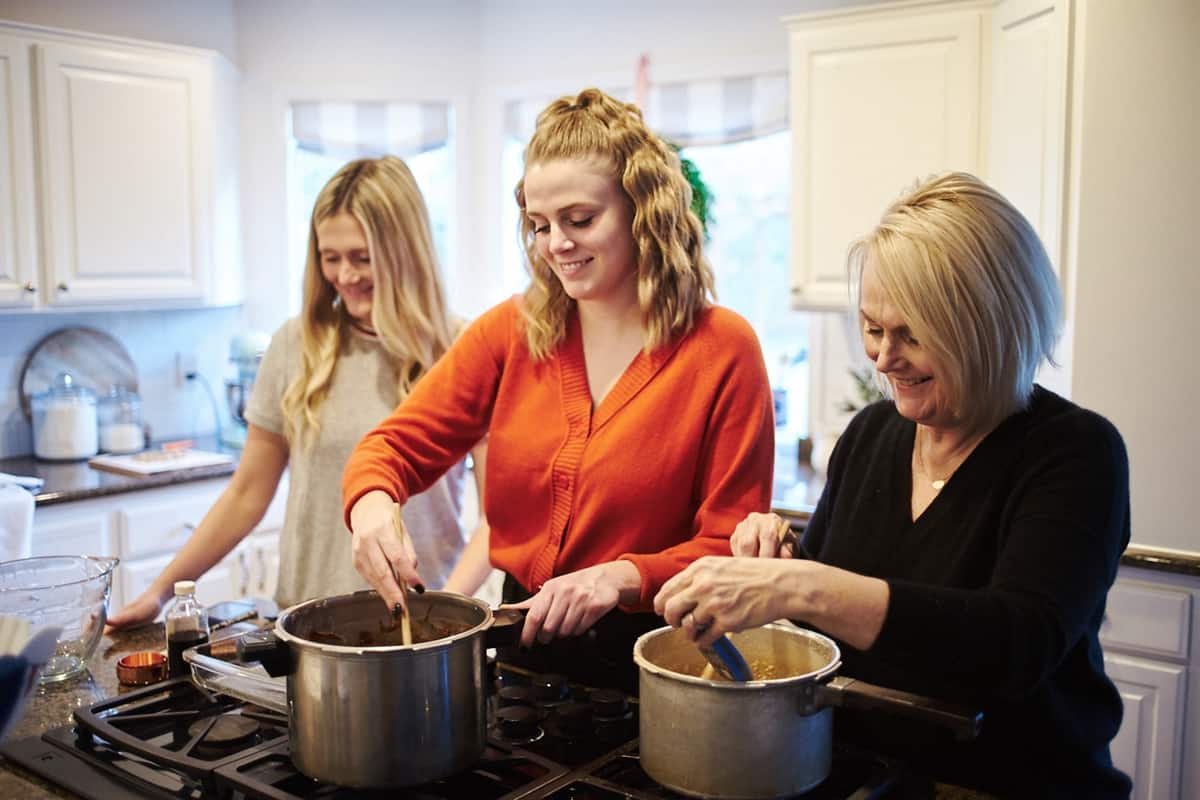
(865, 388)
(701, 196)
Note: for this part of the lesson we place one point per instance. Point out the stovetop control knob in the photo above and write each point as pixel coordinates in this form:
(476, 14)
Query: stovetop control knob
(515, 696)
(609, 703)
(517, 722)
(550, 688)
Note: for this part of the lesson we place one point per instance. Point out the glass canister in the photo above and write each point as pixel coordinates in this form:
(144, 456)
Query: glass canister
(64, 421)
(120, 414)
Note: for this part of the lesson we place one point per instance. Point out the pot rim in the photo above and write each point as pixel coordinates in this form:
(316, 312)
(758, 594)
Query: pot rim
(816, 676)
(338, 649)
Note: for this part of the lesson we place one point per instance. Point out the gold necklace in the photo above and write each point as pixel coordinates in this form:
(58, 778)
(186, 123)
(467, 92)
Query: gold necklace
(937, 483)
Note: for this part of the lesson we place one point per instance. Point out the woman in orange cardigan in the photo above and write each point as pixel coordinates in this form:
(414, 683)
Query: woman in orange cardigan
(629, 419)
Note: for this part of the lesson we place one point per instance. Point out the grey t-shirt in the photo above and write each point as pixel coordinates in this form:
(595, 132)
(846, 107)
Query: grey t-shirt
(315, 558)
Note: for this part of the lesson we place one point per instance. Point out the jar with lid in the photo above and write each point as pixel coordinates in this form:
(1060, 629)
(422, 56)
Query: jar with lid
(64, 421)
(120, 415)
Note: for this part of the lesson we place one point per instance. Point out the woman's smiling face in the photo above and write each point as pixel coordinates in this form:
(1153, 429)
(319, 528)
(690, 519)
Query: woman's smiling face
(346, 264)
(583, 227)
(911, 370)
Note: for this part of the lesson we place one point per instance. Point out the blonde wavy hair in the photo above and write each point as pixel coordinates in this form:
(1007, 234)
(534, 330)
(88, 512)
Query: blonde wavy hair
(973, 282)
(675, 281)
(408, 308)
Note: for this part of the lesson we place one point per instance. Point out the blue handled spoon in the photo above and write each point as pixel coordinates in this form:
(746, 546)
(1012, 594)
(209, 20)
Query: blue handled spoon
(727, 660)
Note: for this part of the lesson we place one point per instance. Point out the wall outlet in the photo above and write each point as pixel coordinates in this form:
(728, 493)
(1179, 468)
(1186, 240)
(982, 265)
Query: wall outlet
(185, 364)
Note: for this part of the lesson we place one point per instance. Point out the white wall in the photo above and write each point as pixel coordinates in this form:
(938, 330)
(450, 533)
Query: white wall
(1137, 202)
(364, 49)
(208, 24)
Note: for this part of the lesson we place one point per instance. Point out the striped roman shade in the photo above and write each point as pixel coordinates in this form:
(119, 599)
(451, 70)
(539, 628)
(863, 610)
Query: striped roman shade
(690, 113)
(370, 129)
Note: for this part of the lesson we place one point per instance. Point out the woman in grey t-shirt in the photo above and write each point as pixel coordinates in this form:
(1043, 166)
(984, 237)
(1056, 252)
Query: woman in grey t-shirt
(373, 322)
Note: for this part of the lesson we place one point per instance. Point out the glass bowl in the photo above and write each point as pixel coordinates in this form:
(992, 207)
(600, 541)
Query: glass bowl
(67, 591)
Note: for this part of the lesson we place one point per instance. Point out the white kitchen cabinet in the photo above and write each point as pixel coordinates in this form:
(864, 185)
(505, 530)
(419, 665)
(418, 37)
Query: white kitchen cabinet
(1147, 639)
(135, 146)
(1027, 107)
(73, 529)
(145, 529)
(18, 233)
(880, 97)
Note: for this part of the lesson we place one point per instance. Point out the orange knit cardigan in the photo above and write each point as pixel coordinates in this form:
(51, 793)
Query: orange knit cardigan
(678, 452)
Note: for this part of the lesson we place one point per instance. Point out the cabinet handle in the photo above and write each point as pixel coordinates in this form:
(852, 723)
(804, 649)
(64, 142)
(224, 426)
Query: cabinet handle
(62, 287)
(245, 573)
(262, 572)
(29, 287)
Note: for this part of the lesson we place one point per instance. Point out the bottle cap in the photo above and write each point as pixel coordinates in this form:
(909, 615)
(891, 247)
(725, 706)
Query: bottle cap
(185, 587)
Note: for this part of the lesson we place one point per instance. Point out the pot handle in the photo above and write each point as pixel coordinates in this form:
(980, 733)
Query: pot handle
(851, 693)
(505, 630)
(266, 648)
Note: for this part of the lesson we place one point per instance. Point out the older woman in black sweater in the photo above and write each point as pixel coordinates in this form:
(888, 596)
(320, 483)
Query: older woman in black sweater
(971, 524)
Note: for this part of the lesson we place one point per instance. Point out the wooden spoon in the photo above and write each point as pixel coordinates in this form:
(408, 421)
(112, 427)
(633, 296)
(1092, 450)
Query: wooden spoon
(402, 611)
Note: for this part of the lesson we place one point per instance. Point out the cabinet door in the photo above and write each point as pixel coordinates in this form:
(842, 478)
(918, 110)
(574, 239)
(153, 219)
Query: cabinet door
(66, 533)
(1027, 131)
(214, 586)
(18, 239)
(123, 147)
(1147, 746)
(265, 552)
(878, 101)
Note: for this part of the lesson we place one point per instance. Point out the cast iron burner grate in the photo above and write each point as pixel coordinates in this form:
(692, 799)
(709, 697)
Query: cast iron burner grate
(178, 725)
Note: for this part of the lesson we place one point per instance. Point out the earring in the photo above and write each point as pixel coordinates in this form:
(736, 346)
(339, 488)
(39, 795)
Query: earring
(337, 302)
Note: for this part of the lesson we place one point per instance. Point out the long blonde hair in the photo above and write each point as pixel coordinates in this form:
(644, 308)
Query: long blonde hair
(675, 281)
(973, 282)
(408, 309)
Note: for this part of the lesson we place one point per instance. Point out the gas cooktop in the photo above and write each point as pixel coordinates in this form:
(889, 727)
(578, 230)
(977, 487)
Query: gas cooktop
(547, 739)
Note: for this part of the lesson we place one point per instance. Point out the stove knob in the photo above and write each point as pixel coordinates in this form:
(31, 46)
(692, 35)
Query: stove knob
(515, 696)
(550, 688)
(609, 703)
(574, 719)
(517, 722)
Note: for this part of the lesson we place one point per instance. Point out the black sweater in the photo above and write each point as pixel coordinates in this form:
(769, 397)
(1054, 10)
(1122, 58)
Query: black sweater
(997, 592)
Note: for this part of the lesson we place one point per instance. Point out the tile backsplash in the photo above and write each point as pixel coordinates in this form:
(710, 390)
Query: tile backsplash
(152, 339)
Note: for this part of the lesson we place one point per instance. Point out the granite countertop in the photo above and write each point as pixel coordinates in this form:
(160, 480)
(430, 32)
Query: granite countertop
(66, 481)
(53, 704)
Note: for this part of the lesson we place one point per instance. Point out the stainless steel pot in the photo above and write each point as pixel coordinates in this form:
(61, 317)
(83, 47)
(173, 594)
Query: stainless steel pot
(767, 738)
(364, 711)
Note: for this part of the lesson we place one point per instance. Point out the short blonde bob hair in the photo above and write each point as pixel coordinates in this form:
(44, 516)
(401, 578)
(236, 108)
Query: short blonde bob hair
(675, 282)
(408, 307)
(972, 280)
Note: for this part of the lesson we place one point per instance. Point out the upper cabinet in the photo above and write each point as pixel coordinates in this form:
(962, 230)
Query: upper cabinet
(18, 233)
(883, 96)
(134, 166)
(880, 97)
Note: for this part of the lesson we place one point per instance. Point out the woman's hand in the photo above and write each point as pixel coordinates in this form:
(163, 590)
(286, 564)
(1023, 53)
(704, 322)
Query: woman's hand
(141, 611)
(763, 536)
(570, 604)
(716, 595)
(379, 555)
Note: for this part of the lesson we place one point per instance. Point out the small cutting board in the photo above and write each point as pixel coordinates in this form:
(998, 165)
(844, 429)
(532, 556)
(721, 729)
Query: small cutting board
(153, 462)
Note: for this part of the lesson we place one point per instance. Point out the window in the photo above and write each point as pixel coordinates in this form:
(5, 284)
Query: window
(723, 125)
(324, 136)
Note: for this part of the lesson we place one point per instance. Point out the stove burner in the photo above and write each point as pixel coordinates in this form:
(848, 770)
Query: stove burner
(227, 731)
(518, 725)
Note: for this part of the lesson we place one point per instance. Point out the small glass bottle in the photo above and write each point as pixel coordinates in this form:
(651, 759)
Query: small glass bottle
(120, 414)
(187, 626)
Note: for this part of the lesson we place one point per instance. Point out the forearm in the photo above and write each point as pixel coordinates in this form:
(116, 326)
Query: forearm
(845, 605)
(474, 565)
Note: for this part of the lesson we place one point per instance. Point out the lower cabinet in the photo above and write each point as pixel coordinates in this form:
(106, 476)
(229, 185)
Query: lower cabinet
(145, 529)
(1146, 638)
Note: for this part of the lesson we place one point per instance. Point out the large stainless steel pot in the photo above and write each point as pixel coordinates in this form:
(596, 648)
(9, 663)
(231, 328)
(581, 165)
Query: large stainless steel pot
(365, 711)
(767, 738)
